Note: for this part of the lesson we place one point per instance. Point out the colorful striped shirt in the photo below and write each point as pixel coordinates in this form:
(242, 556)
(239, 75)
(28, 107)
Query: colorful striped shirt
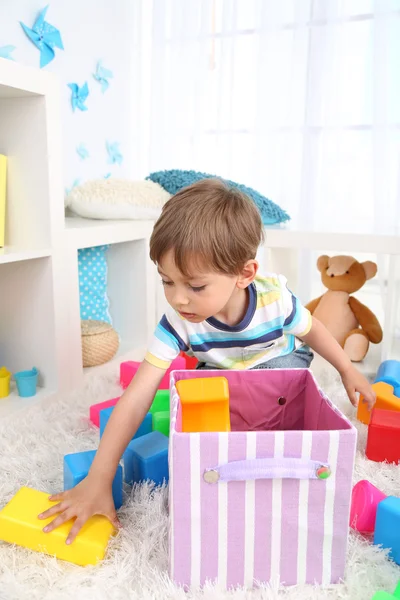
(273, 319)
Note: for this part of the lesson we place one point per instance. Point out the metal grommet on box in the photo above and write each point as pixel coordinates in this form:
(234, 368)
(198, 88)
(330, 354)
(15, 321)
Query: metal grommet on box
(211, 476)
(281, 400)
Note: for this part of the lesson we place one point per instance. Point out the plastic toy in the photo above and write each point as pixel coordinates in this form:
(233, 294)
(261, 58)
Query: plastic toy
(76, 467)
(146, 458)
(19, 524)
(383, 443)
(386, 595)
(160, 402)
(191, 361)
(205, 404)
(144, 428)
(389, 372)
(5, 376)
(364, 502)
(161, 422)
(26, 382)
(385, 399)
(129, 369)
(94, 411)
(387, 526)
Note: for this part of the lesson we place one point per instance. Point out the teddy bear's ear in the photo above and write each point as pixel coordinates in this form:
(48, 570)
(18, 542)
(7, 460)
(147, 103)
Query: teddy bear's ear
(322, 263)
(370, 269)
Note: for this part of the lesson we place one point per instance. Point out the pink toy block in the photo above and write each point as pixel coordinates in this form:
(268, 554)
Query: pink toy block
(94, 411)
(129, 369)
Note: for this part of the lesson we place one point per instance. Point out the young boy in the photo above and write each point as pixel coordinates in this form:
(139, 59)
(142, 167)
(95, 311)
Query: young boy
(204, 245)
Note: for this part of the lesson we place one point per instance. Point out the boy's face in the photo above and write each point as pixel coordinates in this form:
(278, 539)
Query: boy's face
(199, 297)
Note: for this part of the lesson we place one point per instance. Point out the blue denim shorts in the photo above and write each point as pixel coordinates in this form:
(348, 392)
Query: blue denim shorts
(298, 359)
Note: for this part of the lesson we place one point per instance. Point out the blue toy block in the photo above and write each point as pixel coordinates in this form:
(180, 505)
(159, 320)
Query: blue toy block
(146, 458)
(389, 372)
(76, 467)
(387, 526)
(145, 427)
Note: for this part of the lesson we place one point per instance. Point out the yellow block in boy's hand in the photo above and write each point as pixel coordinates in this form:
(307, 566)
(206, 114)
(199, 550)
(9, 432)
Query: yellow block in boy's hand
(205, 404)
(19, 524)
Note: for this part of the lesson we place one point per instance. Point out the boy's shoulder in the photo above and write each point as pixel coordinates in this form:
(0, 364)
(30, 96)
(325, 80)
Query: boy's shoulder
(269, 282)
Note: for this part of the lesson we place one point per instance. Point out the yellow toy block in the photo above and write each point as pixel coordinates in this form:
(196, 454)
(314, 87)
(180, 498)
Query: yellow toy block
(385, 399)
(205, 404)
(19, 524)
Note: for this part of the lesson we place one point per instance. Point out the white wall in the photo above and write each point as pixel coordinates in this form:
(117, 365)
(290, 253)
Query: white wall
(91, 30)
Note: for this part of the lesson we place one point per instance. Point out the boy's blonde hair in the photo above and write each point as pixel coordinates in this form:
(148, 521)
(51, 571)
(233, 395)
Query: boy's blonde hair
(209, 225)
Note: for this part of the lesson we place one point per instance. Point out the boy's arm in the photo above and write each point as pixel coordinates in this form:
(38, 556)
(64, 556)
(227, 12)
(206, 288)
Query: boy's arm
(125, 419)
(93, 495)
(320, 340)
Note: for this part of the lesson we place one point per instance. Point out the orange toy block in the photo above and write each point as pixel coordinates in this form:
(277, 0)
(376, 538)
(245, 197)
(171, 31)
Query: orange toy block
(385, 399)
(205, 404)
(19, 524)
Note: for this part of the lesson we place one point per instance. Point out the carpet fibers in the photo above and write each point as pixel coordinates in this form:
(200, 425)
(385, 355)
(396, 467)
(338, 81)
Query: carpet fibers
(32, 446)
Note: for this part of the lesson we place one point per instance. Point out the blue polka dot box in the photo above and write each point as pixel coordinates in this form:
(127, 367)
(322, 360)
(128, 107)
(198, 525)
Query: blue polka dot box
(92, 265)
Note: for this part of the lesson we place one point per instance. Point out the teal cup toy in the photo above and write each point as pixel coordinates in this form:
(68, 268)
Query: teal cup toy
(26, 382)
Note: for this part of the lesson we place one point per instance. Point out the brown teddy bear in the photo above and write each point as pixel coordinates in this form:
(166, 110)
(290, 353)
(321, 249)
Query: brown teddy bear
(351, 323)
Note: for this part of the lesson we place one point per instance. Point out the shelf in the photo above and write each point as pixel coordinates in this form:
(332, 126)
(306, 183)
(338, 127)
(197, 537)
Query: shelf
(85, 233)
(11, 254)
(19, 81)
(13, 403)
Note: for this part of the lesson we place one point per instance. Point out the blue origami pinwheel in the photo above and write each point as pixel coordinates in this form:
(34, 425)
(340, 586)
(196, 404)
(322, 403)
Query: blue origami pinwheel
(5, 52)
(102, 75)
(79, 95)
(107, 176)
(82, 151)
(75, 183)
(45, 37)
(114, 153)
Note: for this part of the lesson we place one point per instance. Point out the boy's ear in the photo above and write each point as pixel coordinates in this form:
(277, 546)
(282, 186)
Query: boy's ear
(247, 274)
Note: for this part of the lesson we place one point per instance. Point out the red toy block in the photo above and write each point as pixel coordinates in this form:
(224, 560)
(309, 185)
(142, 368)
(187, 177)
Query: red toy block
(94, 411)
(191, 361)
(129, 369)
(383, 442)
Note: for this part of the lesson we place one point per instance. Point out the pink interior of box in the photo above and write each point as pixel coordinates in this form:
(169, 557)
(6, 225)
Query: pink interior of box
(273, 399)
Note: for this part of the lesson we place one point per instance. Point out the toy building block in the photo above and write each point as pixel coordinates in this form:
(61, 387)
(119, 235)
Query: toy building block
(94, 411)
(127, 371)
(365, 498)
(161, 422)
(387, 527)
(205, 404)
(160, 402)
(383, 596)
(385, 399)
(144, 427)
(76, 467)
(383, 443)
(19, 524)
(146, 458)
(389, 372)
(191, 361)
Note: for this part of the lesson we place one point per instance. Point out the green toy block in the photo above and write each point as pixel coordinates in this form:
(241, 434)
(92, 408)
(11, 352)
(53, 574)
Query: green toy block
(386, 596)
(160, 402)
(161, 422)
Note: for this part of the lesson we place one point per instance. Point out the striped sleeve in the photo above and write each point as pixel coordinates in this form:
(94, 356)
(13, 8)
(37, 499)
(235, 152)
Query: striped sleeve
(170, 337)
(297, 318)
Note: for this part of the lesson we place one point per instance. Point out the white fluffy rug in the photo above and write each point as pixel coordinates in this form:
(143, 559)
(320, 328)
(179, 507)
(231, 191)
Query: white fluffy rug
(32, 446)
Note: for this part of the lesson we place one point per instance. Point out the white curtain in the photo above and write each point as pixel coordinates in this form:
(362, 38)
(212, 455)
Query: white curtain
(299, 99)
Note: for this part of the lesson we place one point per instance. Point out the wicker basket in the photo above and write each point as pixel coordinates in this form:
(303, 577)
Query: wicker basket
(100, 342)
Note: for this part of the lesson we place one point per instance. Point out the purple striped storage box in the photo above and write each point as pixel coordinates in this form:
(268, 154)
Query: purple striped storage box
(287, 526)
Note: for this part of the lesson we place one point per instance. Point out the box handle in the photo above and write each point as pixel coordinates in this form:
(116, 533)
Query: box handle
(268, 468)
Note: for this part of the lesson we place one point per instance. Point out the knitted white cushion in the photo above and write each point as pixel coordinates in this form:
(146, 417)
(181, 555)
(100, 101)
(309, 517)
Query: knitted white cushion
(117, 199)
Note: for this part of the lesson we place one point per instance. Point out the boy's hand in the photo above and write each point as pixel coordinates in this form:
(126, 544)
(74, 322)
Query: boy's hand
(83, 501)
(355, 382)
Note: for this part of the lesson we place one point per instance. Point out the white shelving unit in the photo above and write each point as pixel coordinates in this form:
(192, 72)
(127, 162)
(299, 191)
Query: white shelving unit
(39, 287)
